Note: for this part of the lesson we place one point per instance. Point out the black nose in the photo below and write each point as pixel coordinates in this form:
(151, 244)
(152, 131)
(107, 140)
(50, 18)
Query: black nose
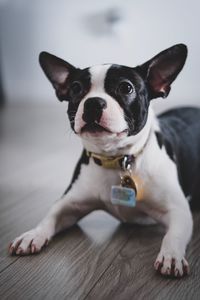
(93, 108)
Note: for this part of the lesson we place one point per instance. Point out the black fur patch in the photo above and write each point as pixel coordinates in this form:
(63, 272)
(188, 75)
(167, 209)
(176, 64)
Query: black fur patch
(163, 141)
(180, 130)
(135, 105)
(84, 159)
(159, 139)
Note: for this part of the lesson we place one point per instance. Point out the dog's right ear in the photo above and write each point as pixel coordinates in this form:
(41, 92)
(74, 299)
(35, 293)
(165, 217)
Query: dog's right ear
(57, 71)
(160, 71)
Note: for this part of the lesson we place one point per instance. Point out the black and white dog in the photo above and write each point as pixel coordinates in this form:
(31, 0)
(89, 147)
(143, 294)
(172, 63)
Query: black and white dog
(110, 109)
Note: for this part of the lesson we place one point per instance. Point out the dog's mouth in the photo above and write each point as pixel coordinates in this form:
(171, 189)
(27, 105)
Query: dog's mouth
(94, 128)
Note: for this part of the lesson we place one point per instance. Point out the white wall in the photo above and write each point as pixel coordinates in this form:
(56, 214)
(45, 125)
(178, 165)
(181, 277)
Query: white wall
(79, 32)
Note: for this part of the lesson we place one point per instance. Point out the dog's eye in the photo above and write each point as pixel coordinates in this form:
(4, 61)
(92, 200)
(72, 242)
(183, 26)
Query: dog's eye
(125, 88)
(76, 88)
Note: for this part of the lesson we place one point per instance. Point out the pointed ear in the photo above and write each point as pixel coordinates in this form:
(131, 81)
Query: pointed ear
(160, 71)
(57, 71)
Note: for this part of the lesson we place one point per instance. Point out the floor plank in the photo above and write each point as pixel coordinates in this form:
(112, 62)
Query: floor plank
(72, 263)
(131, 274)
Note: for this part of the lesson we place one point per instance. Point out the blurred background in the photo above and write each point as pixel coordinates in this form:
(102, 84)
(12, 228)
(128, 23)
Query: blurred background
(33, 124)
(91, 32)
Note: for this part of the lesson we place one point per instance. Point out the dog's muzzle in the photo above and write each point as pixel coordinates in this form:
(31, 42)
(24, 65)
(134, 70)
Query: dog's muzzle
(93, 109)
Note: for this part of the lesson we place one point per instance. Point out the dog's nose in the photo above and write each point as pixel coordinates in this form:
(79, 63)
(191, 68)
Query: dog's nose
(93, 108)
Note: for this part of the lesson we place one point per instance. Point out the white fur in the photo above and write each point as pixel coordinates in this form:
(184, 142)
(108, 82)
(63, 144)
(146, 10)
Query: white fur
(162, 197)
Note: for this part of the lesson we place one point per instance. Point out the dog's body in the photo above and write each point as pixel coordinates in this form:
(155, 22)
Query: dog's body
(109, 108)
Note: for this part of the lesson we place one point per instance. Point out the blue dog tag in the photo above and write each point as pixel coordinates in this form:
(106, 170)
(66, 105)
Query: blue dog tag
(123, 196)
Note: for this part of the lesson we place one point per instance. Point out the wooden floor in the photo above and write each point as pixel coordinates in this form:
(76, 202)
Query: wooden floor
(97, 259)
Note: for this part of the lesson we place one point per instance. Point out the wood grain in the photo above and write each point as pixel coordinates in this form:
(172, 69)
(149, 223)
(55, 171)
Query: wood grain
(70, 265)
(131, 274)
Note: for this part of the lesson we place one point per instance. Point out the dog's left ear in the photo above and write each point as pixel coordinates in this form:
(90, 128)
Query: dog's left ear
(57, 71)
(160, 71)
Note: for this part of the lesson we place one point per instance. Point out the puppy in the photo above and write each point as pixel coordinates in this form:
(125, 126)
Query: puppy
(138, 167)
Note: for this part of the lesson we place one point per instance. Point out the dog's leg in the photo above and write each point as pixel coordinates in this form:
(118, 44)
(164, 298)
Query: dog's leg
(171, 259)
(65, 212)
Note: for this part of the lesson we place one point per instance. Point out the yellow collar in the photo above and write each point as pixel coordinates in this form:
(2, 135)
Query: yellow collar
(115, 162)
(110, 162)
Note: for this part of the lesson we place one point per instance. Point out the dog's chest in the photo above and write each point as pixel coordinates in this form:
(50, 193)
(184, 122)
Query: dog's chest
(152, 170)
(105, 179)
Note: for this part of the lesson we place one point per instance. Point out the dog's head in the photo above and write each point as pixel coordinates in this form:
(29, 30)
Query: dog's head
(111, 101)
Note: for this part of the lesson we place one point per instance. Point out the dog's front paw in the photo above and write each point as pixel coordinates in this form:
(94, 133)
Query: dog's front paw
(171, 265)
(29, 242)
